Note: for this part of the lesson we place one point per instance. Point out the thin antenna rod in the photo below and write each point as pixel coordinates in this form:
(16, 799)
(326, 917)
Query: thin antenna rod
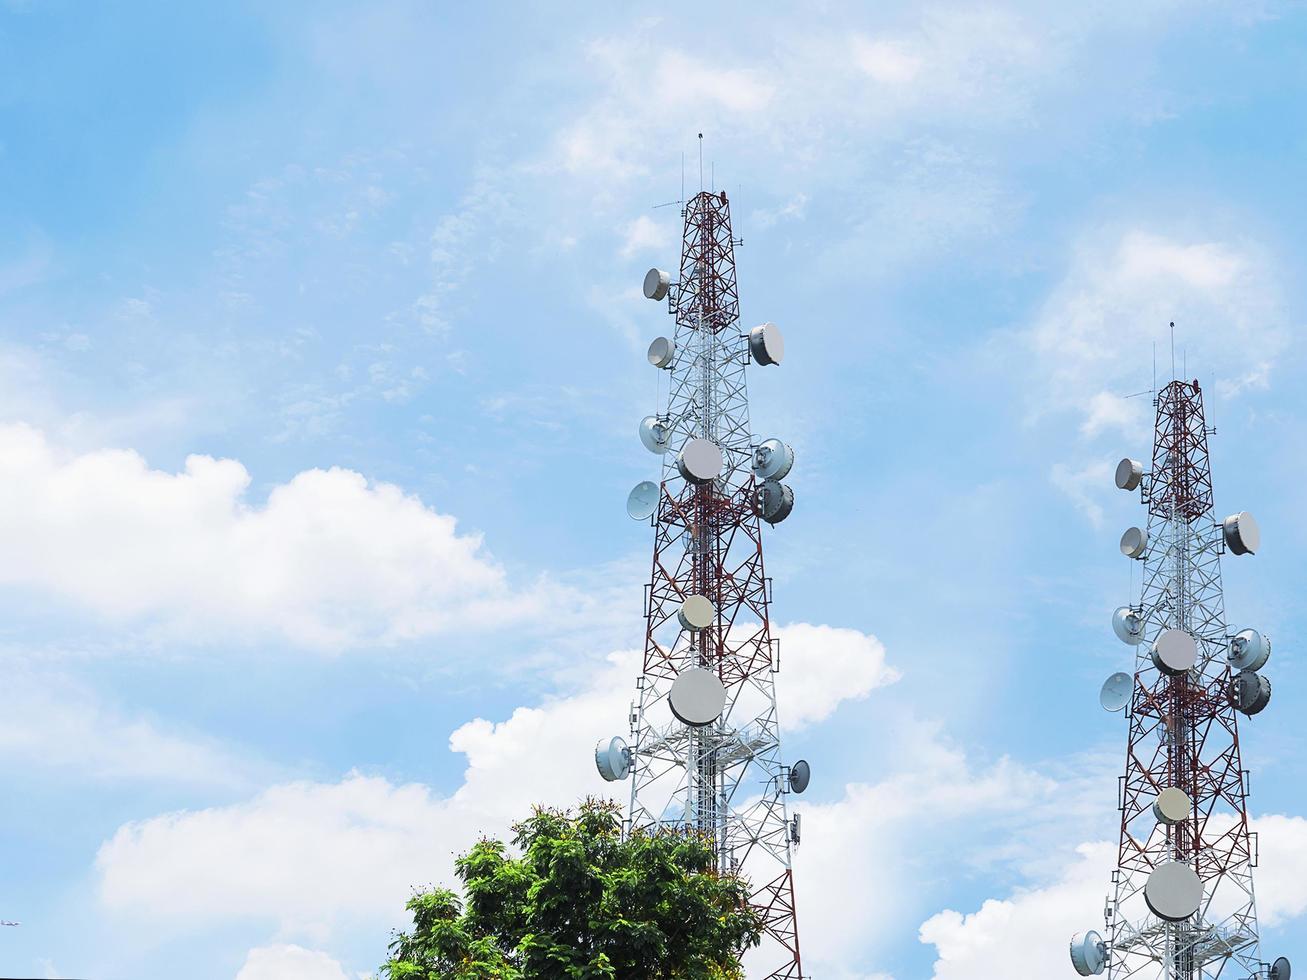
(1172, 350)
(701, 162)
(682, 176)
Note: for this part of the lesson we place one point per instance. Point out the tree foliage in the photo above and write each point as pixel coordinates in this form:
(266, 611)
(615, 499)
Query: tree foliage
(580, 903)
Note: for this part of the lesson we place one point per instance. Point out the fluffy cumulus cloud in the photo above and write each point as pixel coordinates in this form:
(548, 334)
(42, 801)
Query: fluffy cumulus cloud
(289, 963)
(1027, 933)
(1094, 338)
(329, 559)
(824, 665)
(898, 834)
(264, 858)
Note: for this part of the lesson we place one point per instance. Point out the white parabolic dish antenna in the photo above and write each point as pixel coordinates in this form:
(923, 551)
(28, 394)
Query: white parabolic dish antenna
(1088, 953)
(700, 461)
(800, 774)
(1242, 535)
(696, 613)
(1128, 626)
(1250, 691)
(772, 460)
(1129, 473)
(642, 501)
(1172, 806)
(1249, 650)
(1173, 891)
(656, 283)
(1134, 542)
(1116, 691)
(766, 344)
(613, 758)
(697, 697)
(1174, 652)
(1280, 969)
(661, 352)
(773, 501)
(655, 434)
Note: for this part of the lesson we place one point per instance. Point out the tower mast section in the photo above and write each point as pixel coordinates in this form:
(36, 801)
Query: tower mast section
(1183, 906)
(705, 750)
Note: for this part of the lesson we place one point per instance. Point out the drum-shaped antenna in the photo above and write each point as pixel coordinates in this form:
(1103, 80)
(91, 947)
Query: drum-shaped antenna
(1249, 650)
(696, 613)
(772, 460)
(1242, 535)
(613, 758)
(1128, 626)
(1250, 691)
(1174, 652)
(1116, 692)
(1280, 969)
(1088, 953)
(697, 697)
(1173, 891)
(656, 284)
(1172, 806)
(800, 774)
(662, 352)
(655, 434)
(700, 461)
(1129, 473)
(642, 501)
(766, 344)
(773, 501)
(1134, 542)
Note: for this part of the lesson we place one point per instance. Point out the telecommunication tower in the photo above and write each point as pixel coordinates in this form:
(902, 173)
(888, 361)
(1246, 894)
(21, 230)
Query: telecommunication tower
(705, 750)
(1183, 907)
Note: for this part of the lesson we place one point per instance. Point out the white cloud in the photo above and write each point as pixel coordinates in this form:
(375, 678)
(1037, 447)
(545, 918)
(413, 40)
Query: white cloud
(1027, 933)
(1094, 338)
(50, 723)
(792, 210)
(1084, 486)
(644, 234)
(264, 858)
(899, 833)
(823, 666)
(289, 963)
(680, 79)
(303, 855)
(890, 62)
(1281, 874)
(327, 561)
(799, 90)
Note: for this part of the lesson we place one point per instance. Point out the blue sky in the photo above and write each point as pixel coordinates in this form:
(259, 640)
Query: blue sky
(321, 362)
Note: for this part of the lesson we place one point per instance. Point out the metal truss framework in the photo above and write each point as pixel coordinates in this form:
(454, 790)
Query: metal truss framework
(726, 781)
(1184, 732)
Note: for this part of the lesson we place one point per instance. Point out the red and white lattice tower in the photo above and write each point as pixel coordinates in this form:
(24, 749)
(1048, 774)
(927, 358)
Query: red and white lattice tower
(705, 753)
(1183, 906)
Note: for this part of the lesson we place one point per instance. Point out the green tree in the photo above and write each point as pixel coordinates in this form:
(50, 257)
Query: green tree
(580, 903)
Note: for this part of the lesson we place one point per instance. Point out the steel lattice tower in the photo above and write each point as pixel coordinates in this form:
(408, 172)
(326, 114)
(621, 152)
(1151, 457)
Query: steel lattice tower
(724, 779)
(1183, 906)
